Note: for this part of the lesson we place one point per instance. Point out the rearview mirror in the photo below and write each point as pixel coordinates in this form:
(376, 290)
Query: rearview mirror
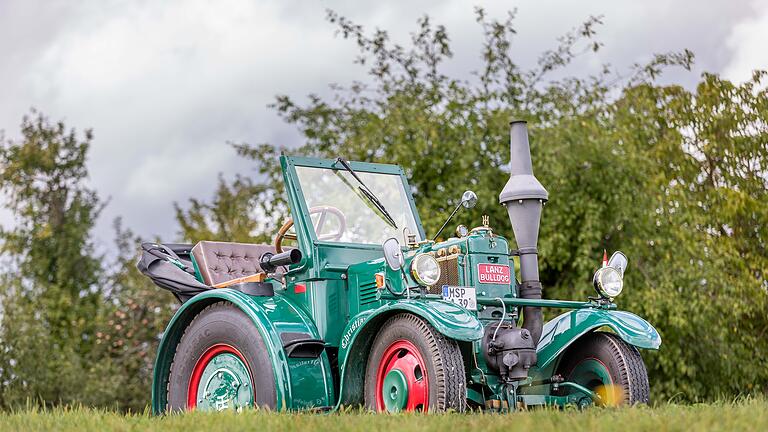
(469, 199)
(393, 255)
(618, 261)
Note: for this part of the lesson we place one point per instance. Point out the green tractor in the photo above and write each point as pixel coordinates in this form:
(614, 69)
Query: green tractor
(354, 305)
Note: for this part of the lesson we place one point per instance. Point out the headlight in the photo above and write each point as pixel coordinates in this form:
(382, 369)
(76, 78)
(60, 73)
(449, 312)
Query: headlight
(425, 269)
(608, 282)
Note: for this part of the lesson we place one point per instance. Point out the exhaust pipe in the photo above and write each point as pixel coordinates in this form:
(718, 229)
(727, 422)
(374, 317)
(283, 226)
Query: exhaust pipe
(524, 198)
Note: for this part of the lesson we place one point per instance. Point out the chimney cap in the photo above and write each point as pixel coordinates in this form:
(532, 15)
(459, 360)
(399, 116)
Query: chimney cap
(522, 187)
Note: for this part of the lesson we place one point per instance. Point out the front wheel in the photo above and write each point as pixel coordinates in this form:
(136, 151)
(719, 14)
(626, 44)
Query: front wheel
(608, 366)
(413, 367)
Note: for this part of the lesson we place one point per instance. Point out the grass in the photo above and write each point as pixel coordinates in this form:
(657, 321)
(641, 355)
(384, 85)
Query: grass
(747, 415)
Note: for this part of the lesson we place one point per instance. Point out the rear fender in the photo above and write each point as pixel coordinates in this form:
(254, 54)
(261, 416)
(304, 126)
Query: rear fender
(451, 320)
(299, 384)
(563, 331)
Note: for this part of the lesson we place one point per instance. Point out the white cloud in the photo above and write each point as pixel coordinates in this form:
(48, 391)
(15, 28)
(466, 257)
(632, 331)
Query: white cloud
(749, 42)
(165, 84)
(164, 87)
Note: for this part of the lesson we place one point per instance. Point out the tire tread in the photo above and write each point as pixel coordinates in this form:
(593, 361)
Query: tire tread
(633, 375)
(448, 363)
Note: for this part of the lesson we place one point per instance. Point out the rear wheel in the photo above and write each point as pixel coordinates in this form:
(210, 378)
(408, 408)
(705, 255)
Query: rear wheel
(413, 367)
(221, 363)
(607, 365)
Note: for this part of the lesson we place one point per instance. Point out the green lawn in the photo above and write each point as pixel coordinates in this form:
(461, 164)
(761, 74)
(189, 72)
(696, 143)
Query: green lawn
(751, 414)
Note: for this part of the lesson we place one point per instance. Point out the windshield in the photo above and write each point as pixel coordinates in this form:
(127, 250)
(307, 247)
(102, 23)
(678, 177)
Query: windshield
(341, 212)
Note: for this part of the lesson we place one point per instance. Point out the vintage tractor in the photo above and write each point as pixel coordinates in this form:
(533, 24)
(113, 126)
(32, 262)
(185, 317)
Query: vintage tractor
(365, 310)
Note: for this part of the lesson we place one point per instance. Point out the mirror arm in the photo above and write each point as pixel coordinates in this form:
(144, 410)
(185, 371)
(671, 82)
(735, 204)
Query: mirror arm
(448, 220)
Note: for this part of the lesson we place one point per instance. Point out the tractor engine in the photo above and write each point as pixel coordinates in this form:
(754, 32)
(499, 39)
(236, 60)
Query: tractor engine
(508, 350)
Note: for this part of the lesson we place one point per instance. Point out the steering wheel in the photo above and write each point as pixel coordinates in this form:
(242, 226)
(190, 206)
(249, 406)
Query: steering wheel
(323, 211)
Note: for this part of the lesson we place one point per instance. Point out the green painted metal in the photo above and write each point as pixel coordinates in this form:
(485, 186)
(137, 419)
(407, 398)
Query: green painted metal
(195, 267)
(588, 377)
(590, 373)
(300, 383)
(449, 319)
(564, 330)
(395, 391)
(559, 304)
(225, 384)
(531, 400)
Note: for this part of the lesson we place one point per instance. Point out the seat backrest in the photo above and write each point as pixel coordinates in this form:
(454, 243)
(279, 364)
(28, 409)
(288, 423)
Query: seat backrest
(220, 262)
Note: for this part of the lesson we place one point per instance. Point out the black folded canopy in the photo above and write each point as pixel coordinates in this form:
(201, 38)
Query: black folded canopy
(170, 267)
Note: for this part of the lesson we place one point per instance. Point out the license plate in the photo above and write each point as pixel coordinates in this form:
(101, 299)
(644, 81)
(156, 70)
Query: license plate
(493, 274)
(462, 296)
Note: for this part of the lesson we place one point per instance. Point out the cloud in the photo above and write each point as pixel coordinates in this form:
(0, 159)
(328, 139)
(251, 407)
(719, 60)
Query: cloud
(165, 85)
(164, 88)
(748, 43)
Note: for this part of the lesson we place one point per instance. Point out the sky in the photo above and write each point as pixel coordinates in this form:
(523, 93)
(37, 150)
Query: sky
(165, 85)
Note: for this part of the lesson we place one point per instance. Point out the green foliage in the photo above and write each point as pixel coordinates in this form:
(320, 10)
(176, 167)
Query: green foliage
(72, 329)
(134, 320)
(51, 300)
(232, 216)
(675, 178)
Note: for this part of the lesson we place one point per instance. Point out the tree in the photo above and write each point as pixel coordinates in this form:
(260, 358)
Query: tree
(234, 214)
(675, 178)
(134, 320)
(51, 302)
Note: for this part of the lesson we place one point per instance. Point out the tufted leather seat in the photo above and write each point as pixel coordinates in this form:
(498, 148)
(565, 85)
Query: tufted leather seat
(223, 261)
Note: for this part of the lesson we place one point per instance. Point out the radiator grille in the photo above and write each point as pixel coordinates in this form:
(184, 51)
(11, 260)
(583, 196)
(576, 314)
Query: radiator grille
(449, 273)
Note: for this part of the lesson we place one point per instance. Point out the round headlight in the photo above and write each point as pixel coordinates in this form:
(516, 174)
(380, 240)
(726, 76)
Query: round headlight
(608, 282)
(425, 269)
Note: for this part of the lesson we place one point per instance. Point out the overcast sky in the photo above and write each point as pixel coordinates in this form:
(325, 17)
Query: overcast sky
(165, 84)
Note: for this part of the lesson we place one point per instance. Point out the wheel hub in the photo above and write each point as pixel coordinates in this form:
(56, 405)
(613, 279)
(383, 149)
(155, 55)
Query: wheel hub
(401, 383)
(395, 390)
(220, 380)
(594, 375)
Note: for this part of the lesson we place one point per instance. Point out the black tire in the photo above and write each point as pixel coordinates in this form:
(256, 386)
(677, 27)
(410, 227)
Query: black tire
(623, 361)
(221, 323)
(446, 377)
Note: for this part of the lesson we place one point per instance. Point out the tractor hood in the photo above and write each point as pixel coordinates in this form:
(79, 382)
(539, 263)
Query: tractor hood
(463, 262)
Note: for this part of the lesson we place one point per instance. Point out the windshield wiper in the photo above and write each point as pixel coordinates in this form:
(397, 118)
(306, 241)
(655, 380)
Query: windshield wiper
(369, 194)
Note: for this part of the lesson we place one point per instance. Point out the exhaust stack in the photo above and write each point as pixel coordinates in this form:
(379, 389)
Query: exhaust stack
(524, 197)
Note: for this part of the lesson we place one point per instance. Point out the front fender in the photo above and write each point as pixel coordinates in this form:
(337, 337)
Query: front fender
(559, 333)
(271, 316)
(447, 318)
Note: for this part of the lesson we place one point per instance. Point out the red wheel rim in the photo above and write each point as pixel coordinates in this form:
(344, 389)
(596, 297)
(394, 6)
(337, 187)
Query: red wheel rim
(402, 356)
(202, 363)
